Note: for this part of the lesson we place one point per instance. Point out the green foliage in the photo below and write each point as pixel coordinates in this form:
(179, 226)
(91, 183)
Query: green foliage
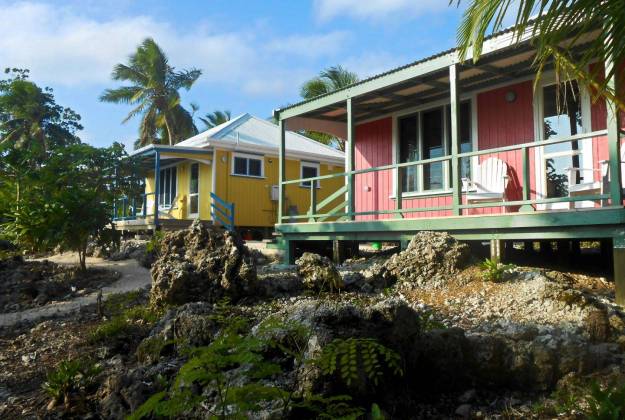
(556, 34)
(213, 119)
(493, 270)
(122, 324)
(234, 353)
(328, 80)
(428, 323)
(153, 91)
(376, 412)
(151, 349)
(154, 244)
(70, 376)
(353, 357)
(606, 404)
(334, 407)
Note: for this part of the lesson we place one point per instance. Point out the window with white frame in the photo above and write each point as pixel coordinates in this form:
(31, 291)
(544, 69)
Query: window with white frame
(427, 135)
(309, 170)
(194, 189)
(167, 187)
(247, 165)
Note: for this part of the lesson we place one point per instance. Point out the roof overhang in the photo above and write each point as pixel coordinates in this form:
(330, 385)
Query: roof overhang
(504, 59)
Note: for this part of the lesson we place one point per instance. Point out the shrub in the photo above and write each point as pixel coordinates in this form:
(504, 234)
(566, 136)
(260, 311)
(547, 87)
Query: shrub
(123, 323)
(493, 270)
(70, 376)
(606, 404)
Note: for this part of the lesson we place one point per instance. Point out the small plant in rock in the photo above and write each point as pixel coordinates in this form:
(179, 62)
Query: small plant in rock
(154, 244)
(493, 270)
(428, 322)
(123, 323)
(70, 377)
(334, 407)
(606, 404)
(349, 358)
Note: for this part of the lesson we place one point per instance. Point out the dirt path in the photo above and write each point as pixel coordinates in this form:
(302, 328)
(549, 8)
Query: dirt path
(133, 277)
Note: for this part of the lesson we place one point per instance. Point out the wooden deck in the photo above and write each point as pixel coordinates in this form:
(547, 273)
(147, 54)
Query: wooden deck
(148, 224)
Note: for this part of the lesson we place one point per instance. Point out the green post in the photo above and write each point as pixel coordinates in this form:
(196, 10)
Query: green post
(351, 136)
(313, 201)
(157, 181)
(281, 168)
(618, 252)
(398, 182)
(526, 180)
(456, 183)
(614, 142)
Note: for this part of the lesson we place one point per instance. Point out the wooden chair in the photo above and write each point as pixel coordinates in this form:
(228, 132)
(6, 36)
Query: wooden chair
(165, 213)
(489, 182)
(594, 187)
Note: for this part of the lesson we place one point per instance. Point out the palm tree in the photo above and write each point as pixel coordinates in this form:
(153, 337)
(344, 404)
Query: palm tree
(558, 27)
(329, 80)
(213, 119)
(154, 91)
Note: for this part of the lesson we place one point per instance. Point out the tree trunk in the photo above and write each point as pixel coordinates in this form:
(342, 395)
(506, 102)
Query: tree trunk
(82, 257)
(170, 133)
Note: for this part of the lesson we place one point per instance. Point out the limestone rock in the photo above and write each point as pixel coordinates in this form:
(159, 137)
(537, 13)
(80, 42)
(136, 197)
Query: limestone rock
(203, 263)
(431, 259)
(318, 273)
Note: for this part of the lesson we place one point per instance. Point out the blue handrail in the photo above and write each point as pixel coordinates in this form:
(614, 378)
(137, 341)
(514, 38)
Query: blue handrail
(222, 212)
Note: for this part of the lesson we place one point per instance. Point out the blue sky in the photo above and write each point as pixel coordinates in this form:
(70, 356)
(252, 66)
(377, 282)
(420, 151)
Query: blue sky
(254, 54)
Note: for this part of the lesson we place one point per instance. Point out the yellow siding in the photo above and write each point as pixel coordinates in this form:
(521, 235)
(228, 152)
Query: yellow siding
(181, 207)
(252, 196)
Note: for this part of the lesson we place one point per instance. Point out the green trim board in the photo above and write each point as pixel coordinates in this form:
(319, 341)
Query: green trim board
(613, 217)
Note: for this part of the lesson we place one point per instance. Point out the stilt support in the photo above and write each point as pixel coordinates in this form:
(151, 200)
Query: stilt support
(289, 252)
(496, 248)
(618, 252)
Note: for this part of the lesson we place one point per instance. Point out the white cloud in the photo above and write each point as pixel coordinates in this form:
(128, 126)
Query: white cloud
(63, 47)
(310, 46)
(375, 9)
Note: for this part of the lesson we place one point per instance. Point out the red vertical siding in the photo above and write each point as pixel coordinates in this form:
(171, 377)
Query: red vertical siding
(501, 123)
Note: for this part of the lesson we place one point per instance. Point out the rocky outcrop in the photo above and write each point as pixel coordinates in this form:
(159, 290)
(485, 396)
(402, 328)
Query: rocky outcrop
(318, 273)
(430, 260)
(203, 263)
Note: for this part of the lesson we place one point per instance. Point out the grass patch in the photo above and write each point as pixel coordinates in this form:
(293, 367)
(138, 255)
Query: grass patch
(124, 320)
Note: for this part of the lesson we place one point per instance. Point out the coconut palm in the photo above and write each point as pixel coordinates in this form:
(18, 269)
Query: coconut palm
(559, 26)
(213, 119)
(154, 92)
(329, 80)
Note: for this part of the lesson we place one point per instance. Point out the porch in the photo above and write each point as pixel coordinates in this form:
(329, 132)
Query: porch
(556, 181)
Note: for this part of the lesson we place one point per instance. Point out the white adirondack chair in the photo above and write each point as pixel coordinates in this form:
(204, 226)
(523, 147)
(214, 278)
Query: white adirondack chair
(594, 187)
(489, 182)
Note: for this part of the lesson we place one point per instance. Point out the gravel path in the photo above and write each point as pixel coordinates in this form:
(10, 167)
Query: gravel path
(133, 277)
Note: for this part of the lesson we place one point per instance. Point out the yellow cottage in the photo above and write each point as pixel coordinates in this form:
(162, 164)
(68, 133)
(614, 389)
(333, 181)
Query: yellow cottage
(229, 174)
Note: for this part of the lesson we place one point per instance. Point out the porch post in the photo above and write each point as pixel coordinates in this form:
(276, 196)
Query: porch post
(618, 259)
(350, 159)
(456, 182)
(281, 168)
(157, 182)
(614, 140)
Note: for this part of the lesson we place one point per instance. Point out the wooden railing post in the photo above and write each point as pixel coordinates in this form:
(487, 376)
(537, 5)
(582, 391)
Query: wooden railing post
(526, 180)
(351, 136)
(281, 168)
(145, 205)
(614, 139)
(313, 201)
(157, 181)
(398, 188)
(456, 183)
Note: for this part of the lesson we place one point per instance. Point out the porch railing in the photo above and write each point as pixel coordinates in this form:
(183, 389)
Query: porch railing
(343, 211)
(222, 212)
(125, 208)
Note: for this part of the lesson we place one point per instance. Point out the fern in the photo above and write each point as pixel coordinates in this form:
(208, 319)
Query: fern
(608, 404)
(353, 356)
(334, 407)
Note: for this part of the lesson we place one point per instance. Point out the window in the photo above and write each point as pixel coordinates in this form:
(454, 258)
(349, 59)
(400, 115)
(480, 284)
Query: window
(309, 170)
(194, 189)
(247, 165)
(167, 187)
(427, 135)
(562, 117)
